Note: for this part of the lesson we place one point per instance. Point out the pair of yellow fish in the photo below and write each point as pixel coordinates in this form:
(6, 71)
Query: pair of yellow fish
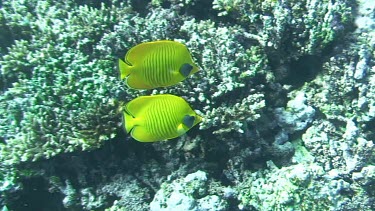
(151, 65)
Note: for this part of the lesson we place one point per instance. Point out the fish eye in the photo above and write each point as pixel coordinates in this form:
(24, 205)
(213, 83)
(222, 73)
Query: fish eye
(188, 121)
(186, 69)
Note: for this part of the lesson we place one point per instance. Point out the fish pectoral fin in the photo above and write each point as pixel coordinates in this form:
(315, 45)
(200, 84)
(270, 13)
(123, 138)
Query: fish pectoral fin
(140, 134)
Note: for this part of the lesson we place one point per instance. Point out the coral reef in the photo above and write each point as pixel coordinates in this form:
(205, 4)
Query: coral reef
(286, 89)
(189, 193)
(56, 94)
(286, 188)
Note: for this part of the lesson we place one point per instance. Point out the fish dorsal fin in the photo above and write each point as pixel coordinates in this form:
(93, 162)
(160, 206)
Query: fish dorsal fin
(186, 69)
(137, 106)
(137, 53)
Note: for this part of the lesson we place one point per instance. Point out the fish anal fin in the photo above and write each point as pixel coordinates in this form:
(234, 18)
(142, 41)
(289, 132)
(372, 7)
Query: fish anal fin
(140, 134)
(136, 83)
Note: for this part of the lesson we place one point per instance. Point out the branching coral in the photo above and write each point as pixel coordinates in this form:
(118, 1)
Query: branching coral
(58, 96)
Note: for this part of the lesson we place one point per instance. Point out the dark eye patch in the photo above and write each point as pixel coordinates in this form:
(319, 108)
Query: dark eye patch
(186, 69)
(188, 121)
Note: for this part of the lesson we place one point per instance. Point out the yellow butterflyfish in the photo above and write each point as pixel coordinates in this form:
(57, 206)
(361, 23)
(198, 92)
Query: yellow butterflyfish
(159, 117)
(156, 64)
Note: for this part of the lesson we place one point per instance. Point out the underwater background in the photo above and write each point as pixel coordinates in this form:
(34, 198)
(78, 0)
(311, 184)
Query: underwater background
(286, 89)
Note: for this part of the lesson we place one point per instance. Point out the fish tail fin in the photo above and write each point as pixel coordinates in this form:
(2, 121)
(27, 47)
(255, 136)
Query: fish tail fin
(124, 69)
(129, 122)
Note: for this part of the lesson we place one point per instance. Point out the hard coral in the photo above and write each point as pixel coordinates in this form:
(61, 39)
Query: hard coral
(57, 96)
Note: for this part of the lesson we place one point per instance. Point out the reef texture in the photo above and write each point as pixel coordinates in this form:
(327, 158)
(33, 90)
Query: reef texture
(286, 89)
